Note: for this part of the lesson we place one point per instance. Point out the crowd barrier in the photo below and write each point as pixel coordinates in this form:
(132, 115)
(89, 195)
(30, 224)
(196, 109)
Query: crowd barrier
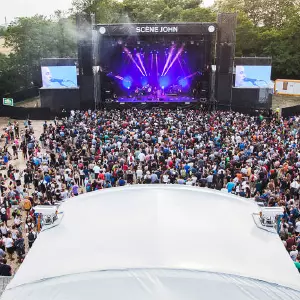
(4, 281)
(290, 111)
(23, 95)
(22, 113)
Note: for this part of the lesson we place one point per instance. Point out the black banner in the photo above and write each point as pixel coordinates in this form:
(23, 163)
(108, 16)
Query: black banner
(153, 29)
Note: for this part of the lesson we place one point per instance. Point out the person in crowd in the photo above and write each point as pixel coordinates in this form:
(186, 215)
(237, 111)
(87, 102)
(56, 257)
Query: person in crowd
(5, 269)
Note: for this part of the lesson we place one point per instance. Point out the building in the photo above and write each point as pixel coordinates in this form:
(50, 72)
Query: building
(4, 50)
(157, 242)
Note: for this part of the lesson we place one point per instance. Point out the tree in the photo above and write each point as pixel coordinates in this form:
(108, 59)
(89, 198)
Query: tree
(266, 13)
(268, 28)
(2, 31)
(246, 36)
(10, 75)
(39, 37)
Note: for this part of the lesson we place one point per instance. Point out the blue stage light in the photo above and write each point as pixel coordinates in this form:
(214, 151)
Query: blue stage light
(183, 82)
(144, 81)
(164, 81)
(127, 82)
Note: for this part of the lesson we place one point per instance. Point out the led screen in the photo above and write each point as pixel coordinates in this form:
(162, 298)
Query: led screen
(253, 76)
(59, 77)
(155, 71)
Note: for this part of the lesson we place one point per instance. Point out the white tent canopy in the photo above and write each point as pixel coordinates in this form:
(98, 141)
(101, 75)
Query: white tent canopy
(156, 242)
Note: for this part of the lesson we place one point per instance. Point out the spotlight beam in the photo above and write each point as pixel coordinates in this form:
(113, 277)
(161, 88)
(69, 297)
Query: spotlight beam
(119, 77)
(191, 75)
(133, 60)
(179, 60)
(169, 58)
(173, 61)
(156, 61)
(141, 62)
(151, 62)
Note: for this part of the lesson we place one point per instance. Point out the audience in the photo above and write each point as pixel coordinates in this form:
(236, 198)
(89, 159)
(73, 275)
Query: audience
(247, 156)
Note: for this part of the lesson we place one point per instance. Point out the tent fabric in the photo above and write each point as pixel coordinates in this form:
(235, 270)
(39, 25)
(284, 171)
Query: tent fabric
(152, 284)
(157, 239)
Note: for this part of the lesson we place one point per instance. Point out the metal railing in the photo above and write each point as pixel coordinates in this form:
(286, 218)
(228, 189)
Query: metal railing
(4, 281)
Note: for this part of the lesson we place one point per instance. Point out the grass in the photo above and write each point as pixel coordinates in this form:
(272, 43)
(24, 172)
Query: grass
(31, 102)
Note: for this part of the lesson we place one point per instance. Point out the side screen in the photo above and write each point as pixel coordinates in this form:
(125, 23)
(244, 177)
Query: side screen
(59, 77)
(253, 76)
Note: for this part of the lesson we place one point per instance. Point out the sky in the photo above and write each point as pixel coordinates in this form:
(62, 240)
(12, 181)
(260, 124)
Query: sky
(27, 8)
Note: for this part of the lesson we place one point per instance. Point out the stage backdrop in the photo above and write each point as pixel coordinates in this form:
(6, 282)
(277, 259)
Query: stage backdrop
(159, 68)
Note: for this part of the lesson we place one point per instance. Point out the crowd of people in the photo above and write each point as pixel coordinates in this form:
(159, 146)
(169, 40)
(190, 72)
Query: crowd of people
(253, 157)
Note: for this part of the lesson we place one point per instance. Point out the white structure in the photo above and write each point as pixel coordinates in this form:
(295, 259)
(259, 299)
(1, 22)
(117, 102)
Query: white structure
(159, 242)
(287, 87)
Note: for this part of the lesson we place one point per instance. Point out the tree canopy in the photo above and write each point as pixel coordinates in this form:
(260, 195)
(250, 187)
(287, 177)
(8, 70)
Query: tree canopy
(264, 28)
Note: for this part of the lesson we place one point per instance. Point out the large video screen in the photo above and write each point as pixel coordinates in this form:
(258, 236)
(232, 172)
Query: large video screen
(253, 76)
(154, 71)
(59, 77)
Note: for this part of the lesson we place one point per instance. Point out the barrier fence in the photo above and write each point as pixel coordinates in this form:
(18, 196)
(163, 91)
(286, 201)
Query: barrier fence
(4, 281)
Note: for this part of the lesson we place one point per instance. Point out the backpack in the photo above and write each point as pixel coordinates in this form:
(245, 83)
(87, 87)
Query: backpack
(19, 244)
(27, 205)
(31, 237)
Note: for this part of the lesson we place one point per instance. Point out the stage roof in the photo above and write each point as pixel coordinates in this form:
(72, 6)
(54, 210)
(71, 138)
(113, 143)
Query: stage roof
(156, 242)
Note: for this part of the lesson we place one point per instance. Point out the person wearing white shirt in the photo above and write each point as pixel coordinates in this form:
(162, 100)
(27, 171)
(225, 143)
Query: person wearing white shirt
(166, 178)
(3, 229)
(297, 226)
(294, 253)
(17, 221)
(45, 169)
(9, 245)
(141, 157)
(294, 187)
(96, 170)
(139, 174)
(64, 194)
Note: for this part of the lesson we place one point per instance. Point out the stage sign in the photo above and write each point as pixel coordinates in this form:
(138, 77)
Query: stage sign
(150, 29)
(253, 77)
(287, 87)
(8, 101)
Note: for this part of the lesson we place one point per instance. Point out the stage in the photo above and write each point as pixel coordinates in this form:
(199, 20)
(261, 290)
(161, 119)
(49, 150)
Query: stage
(149, 99)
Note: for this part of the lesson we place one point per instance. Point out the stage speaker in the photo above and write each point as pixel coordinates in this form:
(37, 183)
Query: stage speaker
(226, 27)
(223, 89)
(225, 58)
(225, 44)
(85, 44)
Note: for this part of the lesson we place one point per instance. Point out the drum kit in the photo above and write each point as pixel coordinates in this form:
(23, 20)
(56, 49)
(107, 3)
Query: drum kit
(145, 90)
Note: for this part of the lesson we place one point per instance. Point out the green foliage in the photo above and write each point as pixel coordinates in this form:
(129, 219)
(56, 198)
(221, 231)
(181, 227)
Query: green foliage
(32, 39)
(264, 28)
(268, 28)
(2, 31)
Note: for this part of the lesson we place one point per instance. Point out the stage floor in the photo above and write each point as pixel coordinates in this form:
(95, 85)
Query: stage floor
(144, 99)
